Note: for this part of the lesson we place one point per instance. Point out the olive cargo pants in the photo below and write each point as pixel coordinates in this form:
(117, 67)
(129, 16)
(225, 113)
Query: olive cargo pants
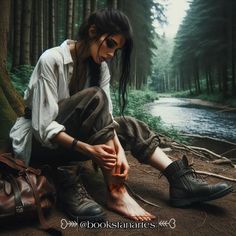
(86, 117)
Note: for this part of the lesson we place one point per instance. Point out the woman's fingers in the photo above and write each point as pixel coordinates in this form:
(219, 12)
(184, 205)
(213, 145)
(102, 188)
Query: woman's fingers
(108, 149)
(118, 168)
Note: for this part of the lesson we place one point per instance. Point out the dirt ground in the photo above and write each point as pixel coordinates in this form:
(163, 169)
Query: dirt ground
(217, 217)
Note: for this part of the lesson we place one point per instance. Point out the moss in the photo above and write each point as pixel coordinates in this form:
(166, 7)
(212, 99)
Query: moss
(7, 119)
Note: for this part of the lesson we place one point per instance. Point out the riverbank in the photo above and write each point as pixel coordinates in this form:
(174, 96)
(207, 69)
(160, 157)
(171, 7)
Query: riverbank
(196, 117)
(215, 100)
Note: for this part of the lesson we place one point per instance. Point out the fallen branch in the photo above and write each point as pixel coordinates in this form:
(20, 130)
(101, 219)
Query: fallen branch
(140, 198)
(220, 161)
(215, 175)
(232, 150)
(213, 154)
(187, 148)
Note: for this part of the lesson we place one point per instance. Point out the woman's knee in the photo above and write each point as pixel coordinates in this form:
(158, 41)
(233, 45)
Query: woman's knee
(97, 93)
(92, 90)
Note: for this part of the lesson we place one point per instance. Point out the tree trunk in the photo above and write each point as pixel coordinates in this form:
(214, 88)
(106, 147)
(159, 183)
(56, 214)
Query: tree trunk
(233, 76)
(35, 32)
(197, 79)
(112, 4)
(25, 36)
(231, 27)
(86, 8)
(219, 77)
(120, 4)
(10, 101)
(52, 23)
(210, 80)
(40, 28)
(69, 19)
(45, 24)
(76, 18)
(93, 5)
(17, 33)
(225, 79)
(207, 81)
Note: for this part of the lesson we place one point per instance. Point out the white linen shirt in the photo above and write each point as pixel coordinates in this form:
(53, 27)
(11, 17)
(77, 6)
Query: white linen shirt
(48, 85)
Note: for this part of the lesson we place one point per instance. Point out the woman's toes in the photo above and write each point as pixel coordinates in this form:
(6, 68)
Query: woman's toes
(150, 215)
(140, 218)
(134, 218)
(153, 217)
(146, 218)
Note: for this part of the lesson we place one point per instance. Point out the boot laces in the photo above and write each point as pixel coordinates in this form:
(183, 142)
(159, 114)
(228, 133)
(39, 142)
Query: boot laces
(194, 175)
(79, 190)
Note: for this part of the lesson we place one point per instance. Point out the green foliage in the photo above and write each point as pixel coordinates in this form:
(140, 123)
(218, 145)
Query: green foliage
(20, 77)
(204, 52)
(160, 79)
(136, 108)
(142, 14)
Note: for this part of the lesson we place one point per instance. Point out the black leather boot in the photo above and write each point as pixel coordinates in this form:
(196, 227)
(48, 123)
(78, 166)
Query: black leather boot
(73, 197)
(186, 188)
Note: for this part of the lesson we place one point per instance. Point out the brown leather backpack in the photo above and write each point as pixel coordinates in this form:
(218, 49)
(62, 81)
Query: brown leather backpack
(25, 192)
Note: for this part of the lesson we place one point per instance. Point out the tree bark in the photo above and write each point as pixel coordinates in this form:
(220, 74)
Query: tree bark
(77, 17)
(231, 49)
(225, 79)
(69, 19)
(207, 82)
(120, 4)
(11, 104)
(45, 24)
(210, 80)
(52, 23)
(40, 28)
(25, 36)
(112, 4)
(93, 5)
(86, 8)
(17, 33)
(34, 34)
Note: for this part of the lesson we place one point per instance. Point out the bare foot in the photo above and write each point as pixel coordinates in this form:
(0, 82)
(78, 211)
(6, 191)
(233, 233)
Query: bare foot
(120, 201)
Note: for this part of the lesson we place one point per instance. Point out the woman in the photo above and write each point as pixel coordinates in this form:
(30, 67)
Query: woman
(69, 117)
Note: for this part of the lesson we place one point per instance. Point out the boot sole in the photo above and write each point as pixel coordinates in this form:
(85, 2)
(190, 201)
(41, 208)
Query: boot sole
(96, 218)
(188, 201)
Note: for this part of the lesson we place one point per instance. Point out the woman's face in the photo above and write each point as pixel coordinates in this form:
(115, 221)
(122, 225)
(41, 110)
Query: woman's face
(105, 47)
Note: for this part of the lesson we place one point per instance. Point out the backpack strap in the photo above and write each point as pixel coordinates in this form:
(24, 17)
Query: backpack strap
(19, 207)
(17, 164)
(41, 217)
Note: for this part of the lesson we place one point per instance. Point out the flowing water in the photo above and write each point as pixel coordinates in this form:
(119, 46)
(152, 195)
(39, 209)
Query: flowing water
(195, 119)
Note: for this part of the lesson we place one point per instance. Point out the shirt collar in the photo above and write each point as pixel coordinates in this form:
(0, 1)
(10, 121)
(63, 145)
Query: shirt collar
(66, 51)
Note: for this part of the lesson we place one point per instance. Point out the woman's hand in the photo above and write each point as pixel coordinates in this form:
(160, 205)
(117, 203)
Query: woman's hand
(122, 166)
(103, 155)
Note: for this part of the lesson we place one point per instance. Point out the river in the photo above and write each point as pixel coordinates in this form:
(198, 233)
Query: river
(195, 119)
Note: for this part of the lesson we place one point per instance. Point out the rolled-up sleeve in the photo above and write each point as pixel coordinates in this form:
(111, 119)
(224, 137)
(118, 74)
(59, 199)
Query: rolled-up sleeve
(45, 104)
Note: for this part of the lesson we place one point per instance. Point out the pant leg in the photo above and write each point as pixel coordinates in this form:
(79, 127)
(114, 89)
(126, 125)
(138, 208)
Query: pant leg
(135, 136)
(85, 116)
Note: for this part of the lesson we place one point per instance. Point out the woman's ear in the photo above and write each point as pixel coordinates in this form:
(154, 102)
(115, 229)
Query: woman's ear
(92, 31)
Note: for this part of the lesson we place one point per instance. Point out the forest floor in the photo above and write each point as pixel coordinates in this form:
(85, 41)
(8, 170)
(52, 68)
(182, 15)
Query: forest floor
(217, 217)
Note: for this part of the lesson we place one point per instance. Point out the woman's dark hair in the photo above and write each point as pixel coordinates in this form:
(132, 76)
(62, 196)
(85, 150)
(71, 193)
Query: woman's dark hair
(110, 22)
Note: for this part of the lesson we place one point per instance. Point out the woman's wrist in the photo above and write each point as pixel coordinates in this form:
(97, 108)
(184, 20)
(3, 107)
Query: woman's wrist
(82, 147)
